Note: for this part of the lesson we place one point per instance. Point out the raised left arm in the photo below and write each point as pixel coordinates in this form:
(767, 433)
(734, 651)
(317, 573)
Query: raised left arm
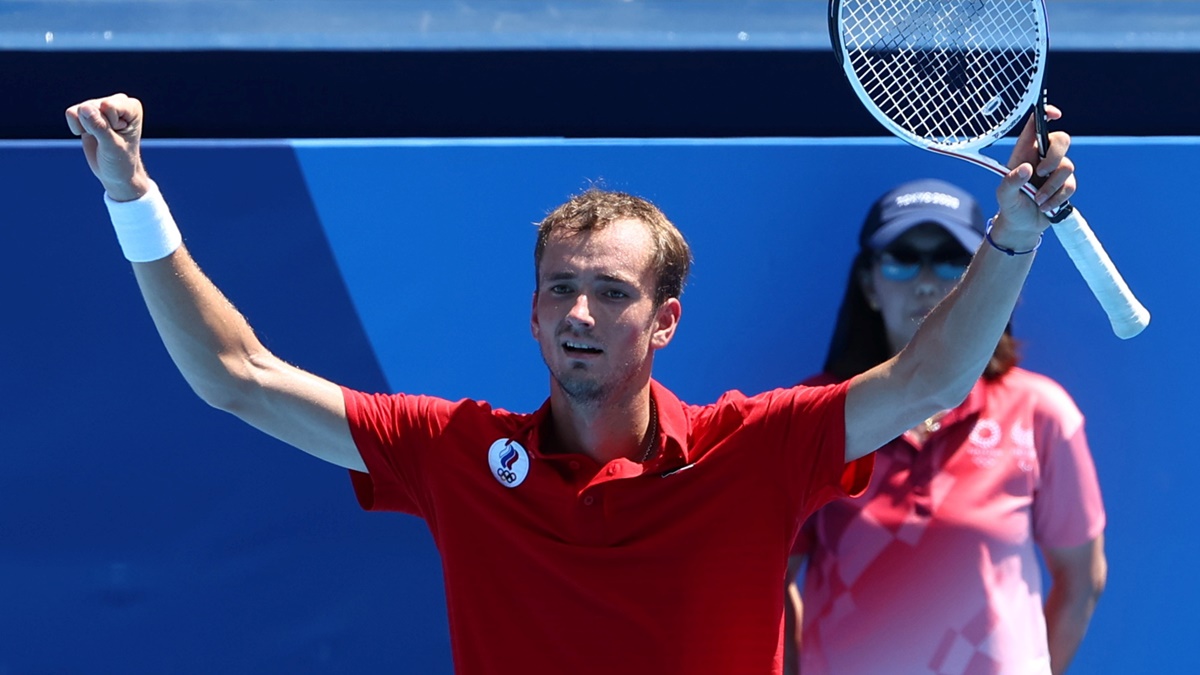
(1077, 576)
(948, 353)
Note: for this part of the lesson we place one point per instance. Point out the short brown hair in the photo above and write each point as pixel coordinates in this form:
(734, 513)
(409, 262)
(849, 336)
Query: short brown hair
(596, 208)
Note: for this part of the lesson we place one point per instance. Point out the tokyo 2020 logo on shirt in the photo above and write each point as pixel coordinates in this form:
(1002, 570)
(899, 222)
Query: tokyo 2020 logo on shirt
(985, 442)
(509, 462)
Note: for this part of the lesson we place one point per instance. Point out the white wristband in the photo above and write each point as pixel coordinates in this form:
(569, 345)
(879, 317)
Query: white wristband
(145, 228)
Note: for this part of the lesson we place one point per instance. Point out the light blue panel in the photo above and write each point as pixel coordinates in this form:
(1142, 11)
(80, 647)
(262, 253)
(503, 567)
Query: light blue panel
(436, 240)
(435, 243)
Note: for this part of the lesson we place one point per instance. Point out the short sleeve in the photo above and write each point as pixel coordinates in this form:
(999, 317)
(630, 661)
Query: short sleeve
(820, 435)
(394, 434)
(1067, 508)
(809, 424)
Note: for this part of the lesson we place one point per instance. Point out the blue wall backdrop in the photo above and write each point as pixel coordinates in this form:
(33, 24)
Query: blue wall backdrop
(142, 532)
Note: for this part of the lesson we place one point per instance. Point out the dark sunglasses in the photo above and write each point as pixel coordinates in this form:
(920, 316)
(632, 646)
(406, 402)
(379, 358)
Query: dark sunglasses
(904, 264)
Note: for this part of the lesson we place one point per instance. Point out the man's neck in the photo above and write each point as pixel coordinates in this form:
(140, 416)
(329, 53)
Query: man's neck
(603, 430)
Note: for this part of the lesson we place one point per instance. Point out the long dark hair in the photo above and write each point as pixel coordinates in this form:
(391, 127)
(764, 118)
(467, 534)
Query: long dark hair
(860, 341)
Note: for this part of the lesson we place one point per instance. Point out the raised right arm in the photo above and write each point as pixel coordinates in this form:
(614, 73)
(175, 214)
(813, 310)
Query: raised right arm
(210, 342)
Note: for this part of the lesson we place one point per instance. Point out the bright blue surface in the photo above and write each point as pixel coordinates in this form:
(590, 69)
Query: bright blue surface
(141, 532)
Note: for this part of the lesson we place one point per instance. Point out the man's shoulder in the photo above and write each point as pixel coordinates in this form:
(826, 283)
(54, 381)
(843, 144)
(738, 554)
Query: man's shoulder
(813, 390)
(422, 405)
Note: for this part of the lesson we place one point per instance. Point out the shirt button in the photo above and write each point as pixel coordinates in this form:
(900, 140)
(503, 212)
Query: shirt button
(589, 500)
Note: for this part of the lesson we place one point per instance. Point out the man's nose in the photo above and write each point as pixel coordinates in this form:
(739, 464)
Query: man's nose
(580, 315)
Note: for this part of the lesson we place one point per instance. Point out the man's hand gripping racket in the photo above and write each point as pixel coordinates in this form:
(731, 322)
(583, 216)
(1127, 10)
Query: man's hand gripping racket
(953, 77)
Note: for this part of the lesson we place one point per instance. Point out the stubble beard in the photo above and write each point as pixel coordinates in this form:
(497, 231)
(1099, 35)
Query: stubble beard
(583, 389)
(586, 391)
(585, 394)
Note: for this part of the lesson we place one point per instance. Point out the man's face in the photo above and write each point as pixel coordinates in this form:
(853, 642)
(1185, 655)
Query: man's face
(593, 313)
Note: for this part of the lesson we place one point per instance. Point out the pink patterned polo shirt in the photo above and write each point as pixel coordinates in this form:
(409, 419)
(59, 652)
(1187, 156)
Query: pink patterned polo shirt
(933, 569)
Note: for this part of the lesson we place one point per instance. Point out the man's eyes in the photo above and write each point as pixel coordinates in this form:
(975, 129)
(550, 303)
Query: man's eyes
(610, 293)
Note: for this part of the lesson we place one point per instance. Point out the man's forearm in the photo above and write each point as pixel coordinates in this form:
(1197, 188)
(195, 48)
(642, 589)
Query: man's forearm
(956, 340)
(945, 357)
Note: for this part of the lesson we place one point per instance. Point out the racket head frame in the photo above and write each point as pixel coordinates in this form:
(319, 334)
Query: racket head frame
(969, 148)
(1127, 315)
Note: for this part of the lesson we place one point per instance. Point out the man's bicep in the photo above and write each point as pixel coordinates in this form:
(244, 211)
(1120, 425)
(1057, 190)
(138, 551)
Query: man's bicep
(878, 409)
(303, 410)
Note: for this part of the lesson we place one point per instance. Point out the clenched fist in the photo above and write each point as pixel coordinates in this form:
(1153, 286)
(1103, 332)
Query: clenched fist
(111, 131)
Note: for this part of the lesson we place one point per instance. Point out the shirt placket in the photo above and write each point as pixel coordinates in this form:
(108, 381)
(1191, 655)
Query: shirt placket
(593, 501)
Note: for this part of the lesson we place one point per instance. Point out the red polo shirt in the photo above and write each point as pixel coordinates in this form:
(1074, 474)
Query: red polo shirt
(556, 565)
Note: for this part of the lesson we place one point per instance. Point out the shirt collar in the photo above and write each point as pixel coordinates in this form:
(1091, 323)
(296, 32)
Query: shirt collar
(673, 427)
(972, 405)
(671, 438)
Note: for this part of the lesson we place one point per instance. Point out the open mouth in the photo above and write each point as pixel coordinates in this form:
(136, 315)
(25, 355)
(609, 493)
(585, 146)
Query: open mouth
(578, 348)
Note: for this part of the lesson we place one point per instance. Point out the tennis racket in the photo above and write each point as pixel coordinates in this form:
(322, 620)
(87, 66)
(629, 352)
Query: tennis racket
(953, 77)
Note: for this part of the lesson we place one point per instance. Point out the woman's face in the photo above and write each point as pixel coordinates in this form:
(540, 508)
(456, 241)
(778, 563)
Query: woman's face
(912, 275)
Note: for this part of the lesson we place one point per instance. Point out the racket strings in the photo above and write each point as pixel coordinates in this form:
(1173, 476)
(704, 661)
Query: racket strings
(950, 72)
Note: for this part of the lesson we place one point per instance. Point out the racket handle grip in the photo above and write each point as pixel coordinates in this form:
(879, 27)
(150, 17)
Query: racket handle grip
(1127, 315)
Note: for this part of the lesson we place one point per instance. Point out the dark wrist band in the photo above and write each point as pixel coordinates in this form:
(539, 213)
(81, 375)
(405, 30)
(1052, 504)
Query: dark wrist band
(987, 234)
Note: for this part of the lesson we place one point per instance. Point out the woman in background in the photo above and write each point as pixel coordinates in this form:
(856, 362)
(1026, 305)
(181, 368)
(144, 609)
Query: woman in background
(934, 569)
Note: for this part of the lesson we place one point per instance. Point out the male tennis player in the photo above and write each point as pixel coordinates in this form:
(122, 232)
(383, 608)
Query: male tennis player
(616, 529)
